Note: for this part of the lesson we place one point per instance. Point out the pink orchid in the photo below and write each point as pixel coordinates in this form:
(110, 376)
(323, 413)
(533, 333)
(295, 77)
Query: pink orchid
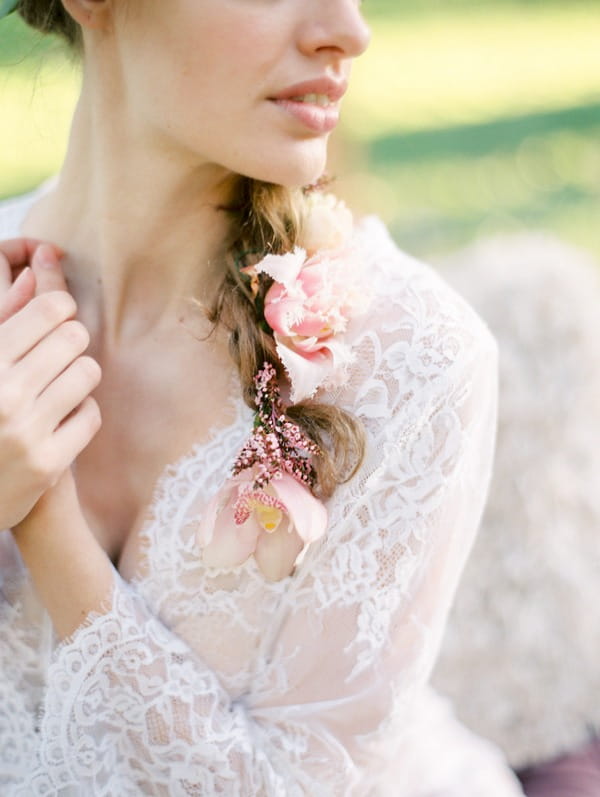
(274, 524)
(309, 304)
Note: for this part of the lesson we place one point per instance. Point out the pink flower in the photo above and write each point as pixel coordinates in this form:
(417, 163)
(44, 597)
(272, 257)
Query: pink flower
(309, 304)
(274, 524)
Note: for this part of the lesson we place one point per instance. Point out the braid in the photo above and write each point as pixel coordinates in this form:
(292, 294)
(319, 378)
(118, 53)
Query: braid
(268, 220)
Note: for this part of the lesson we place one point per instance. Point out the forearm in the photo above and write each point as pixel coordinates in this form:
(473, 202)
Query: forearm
(71, 572)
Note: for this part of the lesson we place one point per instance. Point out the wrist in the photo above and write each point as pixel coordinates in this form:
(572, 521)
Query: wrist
(58, 505)
(69, 568)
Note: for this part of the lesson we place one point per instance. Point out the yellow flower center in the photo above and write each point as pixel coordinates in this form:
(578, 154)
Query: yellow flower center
(269, 517)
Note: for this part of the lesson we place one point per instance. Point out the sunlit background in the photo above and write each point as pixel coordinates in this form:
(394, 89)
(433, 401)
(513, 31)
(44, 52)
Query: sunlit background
(465, 118)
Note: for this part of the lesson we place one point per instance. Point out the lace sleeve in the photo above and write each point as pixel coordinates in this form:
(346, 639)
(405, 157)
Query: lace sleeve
(337, 704)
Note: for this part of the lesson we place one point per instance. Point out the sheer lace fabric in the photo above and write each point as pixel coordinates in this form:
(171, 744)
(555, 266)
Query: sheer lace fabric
(194, 681)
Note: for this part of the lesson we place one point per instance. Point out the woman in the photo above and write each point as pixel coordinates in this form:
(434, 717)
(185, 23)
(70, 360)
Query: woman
(187, 629)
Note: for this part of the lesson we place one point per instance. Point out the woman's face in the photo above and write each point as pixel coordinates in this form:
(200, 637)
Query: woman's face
(251, 85)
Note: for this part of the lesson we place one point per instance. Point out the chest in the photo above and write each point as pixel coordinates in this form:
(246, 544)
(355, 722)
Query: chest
(226, 616)
(151, 417)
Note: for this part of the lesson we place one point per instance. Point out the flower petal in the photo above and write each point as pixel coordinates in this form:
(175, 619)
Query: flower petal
(282, 313)
(341, 355)
(231, 545)
(276, 553)
(311, 325)
(283, 268)
(305, 374)
(313, 276)
(311, 363)
(223, 542)
(307, 514)
(328, 224)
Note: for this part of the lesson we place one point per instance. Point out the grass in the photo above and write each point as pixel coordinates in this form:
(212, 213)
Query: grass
(38, 90)
(451, 68)
(464, 118)
(441, 203)
(35, 121)
(440, 188)
(478, 121)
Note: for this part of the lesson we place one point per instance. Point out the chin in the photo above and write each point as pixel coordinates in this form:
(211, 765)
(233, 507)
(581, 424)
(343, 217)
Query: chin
(303, 166)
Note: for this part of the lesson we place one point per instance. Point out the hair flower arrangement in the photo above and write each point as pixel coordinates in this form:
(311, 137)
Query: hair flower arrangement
(267, 508)
(317, 290)
(328, 223)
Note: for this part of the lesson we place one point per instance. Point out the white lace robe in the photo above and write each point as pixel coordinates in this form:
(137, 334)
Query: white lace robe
(201, 682)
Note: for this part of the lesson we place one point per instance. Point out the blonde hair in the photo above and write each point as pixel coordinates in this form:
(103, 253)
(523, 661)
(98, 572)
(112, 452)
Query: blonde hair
(268, 218)
(265, 218)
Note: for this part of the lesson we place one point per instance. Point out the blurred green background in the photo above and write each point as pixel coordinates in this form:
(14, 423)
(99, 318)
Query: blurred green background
(465, 118)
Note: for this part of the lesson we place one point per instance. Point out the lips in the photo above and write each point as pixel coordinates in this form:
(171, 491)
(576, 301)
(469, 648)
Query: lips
(313, 103)
(333, 89)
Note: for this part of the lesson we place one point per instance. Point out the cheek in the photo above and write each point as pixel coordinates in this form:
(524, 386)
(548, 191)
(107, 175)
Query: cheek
(221, 56)
(223, 78)
(231, 42)
(202, 78)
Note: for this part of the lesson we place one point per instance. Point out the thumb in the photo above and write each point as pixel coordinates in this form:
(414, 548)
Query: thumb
(47, 269)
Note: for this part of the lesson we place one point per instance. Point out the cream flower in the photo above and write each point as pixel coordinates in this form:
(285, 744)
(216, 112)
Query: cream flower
(273, 524)
(328, 223)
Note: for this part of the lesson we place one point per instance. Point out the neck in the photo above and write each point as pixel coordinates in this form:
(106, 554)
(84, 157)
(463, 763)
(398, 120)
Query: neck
(143, 226)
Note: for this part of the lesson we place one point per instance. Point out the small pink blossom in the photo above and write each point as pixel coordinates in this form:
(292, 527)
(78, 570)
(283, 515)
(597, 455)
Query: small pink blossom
(308, 306)
(276, 444)
(273, 524)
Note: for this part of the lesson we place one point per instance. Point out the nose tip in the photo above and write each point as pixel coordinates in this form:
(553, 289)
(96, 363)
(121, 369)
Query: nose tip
(337, 25)
(363, 38)
(355, 36)
(365, 31)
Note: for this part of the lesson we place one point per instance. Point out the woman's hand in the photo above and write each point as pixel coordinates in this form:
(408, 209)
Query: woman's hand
(47, 416)
(17, 283)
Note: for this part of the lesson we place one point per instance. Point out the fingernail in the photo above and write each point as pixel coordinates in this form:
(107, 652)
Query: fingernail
(45, 257)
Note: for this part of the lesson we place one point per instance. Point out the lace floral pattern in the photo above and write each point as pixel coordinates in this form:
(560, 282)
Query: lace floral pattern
(196, 681)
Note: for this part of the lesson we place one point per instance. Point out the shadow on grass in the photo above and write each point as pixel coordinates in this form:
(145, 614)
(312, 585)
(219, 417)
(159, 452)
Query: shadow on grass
(438, 232)
(495, 137)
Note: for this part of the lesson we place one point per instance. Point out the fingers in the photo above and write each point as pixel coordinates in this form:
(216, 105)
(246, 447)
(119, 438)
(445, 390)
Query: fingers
(47, 270)
(47, 415)
(40, 366)
(68, 391)
(17, 253)
(18, 295)
(77, 431)
(22, 331)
